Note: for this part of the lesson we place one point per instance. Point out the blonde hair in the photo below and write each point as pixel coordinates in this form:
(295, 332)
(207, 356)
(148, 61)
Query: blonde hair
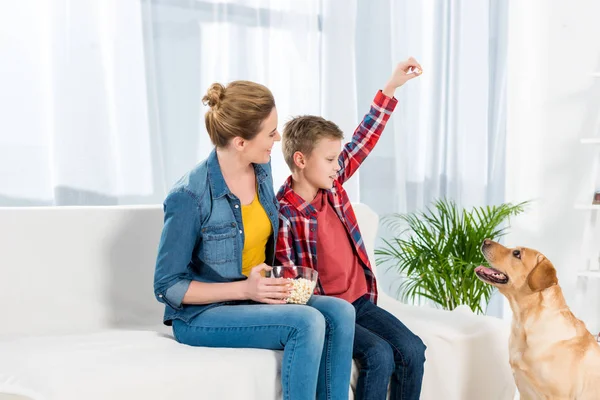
(236, 110)
(303, 133)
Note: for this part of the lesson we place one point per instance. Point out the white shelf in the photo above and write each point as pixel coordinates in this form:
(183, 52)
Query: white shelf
(589, 274)
(590, 206)
(590, 140)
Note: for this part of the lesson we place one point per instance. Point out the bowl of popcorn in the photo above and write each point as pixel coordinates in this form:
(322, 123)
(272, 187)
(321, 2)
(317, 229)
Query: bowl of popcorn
(303, 280)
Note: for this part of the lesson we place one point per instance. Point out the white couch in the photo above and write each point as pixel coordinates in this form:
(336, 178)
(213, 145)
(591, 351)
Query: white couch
(78, 320)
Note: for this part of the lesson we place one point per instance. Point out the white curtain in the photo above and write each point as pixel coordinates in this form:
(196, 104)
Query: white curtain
(287, 45)
(101, 99)
(447, 137)
(74, 120)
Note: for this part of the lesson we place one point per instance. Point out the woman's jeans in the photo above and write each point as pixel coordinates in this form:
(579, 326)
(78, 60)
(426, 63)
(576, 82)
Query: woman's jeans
(316, 340)
(385, 348)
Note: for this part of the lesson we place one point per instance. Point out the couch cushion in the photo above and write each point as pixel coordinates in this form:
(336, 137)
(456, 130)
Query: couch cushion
(87, 269)
(138, 365)
(93, 271)
(463, 351)
(83, 269)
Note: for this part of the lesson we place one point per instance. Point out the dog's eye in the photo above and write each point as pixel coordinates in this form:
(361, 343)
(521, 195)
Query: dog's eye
(517, 253)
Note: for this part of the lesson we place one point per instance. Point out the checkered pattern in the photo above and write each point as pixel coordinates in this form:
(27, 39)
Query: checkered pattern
(297, 238)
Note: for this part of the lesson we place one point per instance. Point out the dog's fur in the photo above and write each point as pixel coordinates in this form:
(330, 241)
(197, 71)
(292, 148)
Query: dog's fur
(552, 354)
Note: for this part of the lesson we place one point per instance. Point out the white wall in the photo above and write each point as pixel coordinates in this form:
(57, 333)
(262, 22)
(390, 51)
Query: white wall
(553, 101)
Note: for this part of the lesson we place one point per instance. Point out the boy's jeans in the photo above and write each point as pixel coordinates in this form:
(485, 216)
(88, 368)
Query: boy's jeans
(316, 341)
(384, 348)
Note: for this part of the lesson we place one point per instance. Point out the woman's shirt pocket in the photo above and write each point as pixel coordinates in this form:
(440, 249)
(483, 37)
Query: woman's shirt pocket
(219, 244)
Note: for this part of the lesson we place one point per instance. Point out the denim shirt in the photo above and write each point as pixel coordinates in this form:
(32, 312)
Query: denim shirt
(203, 235)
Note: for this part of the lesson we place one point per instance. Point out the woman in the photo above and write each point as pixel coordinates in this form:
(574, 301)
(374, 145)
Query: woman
(217, 239)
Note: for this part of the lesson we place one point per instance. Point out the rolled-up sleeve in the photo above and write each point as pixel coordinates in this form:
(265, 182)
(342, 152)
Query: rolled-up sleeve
(179, 237)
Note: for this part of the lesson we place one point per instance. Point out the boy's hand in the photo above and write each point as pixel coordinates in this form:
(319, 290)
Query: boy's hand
(404, 72)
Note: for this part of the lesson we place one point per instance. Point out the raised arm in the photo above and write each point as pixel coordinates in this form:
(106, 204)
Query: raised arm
(368, 132)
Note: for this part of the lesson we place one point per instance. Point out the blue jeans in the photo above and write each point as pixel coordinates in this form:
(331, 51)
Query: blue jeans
(316, 341)
(385, 348)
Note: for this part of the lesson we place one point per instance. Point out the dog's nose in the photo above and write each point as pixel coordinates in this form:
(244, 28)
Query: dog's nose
(486, 242)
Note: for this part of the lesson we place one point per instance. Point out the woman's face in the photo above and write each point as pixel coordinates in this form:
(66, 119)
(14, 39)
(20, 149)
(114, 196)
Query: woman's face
(258, 150)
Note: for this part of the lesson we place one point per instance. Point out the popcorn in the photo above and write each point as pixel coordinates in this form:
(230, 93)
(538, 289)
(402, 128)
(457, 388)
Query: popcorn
(303, 289)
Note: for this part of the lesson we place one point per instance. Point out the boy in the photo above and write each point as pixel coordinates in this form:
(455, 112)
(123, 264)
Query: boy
(317, 223)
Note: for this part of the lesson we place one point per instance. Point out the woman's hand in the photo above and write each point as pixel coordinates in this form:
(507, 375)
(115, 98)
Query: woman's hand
(267, 290)
(404, 72)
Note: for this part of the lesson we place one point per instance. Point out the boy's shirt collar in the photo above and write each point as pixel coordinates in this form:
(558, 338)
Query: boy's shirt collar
(293, 199)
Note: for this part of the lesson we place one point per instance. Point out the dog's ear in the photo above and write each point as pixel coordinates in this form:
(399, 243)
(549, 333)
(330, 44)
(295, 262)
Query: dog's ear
(542, 276)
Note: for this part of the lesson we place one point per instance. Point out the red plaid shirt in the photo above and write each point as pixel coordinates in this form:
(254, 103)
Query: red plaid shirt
(297, 238)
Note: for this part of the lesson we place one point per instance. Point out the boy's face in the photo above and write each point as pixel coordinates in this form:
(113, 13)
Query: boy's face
(322, 165)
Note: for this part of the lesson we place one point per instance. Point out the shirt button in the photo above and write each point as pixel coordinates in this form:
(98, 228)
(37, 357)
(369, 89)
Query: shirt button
(240, 231)
(237, 206)
(160, 295)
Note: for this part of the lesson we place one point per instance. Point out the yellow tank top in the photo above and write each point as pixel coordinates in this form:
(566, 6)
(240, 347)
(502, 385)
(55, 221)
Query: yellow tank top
(257, 227)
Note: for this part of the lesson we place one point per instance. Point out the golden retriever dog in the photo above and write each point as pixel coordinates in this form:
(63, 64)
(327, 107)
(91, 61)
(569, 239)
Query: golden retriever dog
(552, 354)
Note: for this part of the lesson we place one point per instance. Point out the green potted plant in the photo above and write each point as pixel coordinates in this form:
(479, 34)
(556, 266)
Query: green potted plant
(437, 249)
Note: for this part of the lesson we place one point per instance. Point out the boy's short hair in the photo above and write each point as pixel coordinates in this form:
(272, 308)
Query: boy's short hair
(303, 133)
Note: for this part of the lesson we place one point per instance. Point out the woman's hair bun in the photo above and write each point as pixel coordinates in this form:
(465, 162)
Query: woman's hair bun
(214, 95)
